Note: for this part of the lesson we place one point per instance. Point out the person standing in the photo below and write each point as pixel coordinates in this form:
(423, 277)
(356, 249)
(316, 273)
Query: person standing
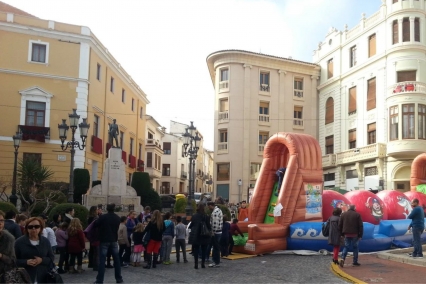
(243, 211)
(10, 224)
(7, 247)
(351, 226)
(197, 240)
(94, 214)
(168, 235)
(131, 224)
(234, 231)
(417, 225)
(216, 219)
(137, 238)
(144, 214)
(108, 225)
(33, 251)
(123, 241)
(224, 239)
(180, 241)
(61, 235)
(76, 245)
(49, 233)
(155, 229)
(21, 219)
(335, 235)
(69, 215)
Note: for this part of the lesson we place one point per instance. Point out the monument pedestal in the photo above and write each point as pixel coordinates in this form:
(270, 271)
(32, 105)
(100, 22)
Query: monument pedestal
(114, 188)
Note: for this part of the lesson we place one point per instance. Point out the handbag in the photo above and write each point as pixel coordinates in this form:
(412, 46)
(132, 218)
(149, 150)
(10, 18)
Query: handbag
(204, 230)
(53, 275)
(15, 275)
(325, 229)
(146, 238)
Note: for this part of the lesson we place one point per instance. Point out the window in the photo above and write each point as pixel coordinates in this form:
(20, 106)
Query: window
(254, 170)
(416, 29)
(395, 38)
(371, 171)
(166, 170)
(371, 94)
(223, 136)
(372, 45)
(149, 159)
(405, 30)
(329, 177)
(352, 139)
(133, 104)
(329, 110)
(352, 56)
(35, 113)
(122, 140)
(351, 174)
(123, 95)
(298, 87)
(352, 101)
(167, 148)
(140, 152)
(422, 121)
(111, 87)
(150, 135)
(98, 72)
(141, 112)
(330, 68)
(404, 76)
(371, 133)
(224, 77)
(96, 126)
(394, 1)
(393, 118)
(264, 111)
(329, 144)
(298, 115)
(222, 172)
(263, 138)
(223, 105)
(132, 142)
(36, 157)
(408, 131)
(264, 81)
(38, 51)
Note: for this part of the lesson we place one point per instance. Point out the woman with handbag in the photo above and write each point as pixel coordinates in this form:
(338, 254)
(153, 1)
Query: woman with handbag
(199, 237)
(7, 249)
(155, 229)
(34, 252)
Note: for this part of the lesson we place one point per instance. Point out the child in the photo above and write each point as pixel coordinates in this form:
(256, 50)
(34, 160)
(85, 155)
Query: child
(62, 238)
(76, 245)
(180, 239)
(233, 231)
(138, 247)
(334, 236)
(168, 235)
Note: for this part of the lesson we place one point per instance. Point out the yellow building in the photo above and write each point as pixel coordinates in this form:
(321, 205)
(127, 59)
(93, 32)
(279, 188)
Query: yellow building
(47, 69)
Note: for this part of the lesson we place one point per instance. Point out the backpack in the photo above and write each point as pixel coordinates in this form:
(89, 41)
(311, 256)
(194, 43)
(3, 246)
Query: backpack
(325, 229)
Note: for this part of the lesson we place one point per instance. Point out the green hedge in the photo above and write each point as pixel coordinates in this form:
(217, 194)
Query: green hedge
(40, 208)
(7, 206)
(149, 197)
(180, 205)
(81, 212)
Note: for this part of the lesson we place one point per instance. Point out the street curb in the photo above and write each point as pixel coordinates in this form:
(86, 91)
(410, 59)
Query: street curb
(340, 273)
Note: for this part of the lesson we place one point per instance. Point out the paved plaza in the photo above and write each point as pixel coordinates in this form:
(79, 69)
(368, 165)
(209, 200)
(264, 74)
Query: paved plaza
(271, 268)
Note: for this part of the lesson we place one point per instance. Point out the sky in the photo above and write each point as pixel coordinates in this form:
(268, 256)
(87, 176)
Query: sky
(163, 44)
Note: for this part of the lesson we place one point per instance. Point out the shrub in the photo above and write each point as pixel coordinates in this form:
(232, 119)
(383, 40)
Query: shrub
(81, 212)
(55, 195)
(42, 208)
(7, 206)
(151, 198)
(96, 182)
(180, 205)
(81, 184)
(223, 208)
(141, 183)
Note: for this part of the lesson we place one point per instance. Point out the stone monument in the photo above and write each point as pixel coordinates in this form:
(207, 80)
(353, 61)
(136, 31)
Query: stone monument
(114, 188)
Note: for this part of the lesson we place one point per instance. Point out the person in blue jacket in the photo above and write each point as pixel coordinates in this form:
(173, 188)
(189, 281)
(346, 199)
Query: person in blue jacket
(417, 225)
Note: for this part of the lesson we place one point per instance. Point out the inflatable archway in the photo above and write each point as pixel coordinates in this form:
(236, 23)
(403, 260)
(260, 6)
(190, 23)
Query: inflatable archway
(418, 171)
(300, 193)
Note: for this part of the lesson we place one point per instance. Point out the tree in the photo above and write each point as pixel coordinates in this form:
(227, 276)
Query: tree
(81, 184)
(149, 197)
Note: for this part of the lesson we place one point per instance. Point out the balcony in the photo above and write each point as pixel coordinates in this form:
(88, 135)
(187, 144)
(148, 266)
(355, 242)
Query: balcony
(153, 142)
(261, 148)
(222, 147)
(406, 148)
(153, 173)
(328, 161)
(223, 85)
(223, 116)
(298, 123)
(408, 87)
(183, 175)
(37, 133)
(368, 152)
(298, 94)
(264, 87)
(264, 118)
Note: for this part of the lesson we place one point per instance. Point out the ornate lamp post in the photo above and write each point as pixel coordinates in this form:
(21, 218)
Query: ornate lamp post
(16, 143)
(63, 128)
(191, 145)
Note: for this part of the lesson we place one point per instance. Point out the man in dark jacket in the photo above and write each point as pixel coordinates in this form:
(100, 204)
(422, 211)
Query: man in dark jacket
(108, 236)
(352, 228)
(10, 224)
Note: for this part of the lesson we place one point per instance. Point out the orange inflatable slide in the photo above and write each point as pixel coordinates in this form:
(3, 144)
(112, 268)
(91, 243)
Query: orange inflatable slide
(300, 193)
(418, 171)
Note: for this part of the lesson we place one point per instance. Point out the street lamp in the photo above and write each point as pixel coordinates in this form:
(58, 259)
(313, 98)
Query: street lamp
(16, 143)
(63, 128)
(191, 145)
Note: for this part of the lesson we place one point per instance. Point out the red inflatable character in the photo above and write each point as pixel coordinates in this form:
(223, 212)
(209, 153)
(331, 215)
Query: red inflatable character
(397, 204)
(371, 207)
(332, 199)
(420, 196)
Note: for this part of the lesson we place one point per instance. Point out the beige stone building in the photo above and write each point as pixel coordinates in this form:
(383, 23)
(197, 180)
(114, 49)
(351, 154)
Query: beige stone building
(48, 68)
(256, 95)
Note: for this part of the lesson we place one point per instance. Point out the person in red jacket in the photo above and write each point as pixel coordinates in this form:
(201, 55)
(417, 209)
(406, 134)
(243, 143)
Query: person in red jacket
(76, 245)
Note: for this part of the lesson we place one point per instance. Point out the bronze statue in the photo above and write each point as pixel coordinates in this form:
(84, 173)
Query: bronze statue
(113, 134)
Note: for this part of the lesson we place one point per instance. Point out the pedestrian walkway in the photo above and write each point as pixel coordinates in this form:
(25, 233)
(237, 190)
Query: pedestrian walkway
(393, 266)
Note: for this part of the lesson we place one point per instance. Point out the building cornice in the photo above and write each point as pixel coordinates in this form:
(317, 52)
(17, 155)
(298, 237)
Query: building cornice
(41, 75)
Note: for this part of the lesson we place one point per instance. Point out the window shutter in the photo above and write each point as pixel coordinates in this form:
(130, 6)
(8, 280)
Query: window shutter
(404, 76)
(416, 29)
(405, 30)
(224, 105)
(372, 45)
(352, 100)
(330, 69)
(395, 32)
(167, 146)
(371, 94)
(371, 127)
(329, 111)
(329, 140)
(149, 159)
(352, 135)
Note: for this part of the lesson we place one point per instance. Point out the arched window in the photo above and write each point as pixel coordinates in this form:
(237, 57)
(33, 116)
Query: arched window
(329, 111)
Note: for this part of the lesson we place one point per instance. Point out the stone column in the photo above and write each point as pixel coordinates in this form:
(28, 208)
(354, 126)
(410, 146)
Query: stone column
(411, 29)
(246, 141)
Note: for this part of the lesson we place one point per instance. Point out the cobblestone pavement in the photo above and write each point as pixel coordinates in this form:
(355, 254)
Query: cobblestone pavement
(261, 269)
